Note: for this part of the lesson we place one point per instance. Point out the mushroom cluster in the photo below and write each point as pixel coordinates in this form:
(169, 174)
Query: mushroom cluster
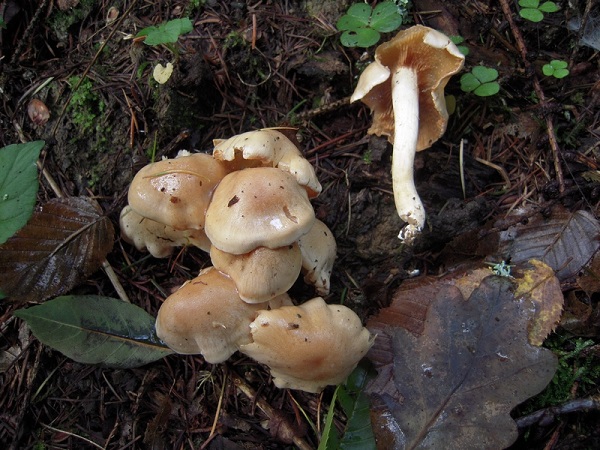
(404, 88)
(248, 205)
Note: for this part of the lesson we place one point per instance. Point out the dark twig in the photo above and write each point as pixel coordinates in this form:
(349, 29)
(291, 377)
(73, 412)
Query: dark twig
(538, 91)
(547, 416)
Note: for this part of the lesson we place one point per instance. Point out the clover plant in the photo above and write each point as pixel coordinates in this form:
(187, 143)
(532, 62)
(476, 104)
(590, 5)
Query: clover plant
(458, 40)
(534, 11)
(362, 25)
(556, 68)
(481, 81)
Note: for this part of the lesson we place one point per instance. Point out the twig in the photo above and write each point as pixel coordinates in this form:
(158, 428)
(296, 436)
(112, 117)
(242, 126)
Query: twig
(547, 416)
(538, 91)
(271, 413)
(68, 433)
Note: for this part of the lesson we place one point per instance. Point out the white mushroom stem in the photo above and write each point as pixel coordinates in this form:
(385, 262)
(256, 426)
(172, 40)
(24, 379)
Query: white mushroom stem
(405, 102)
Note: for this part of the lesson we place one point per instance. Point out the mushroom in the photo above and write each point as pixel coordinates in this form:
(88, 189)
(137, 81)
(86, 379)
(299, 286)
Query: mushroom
(309, 346)
(206, 316)
(409, 107)
(268, 148)
(176, 191)
(318, 249)
(261, 274)
(257, 207)
(159, 239)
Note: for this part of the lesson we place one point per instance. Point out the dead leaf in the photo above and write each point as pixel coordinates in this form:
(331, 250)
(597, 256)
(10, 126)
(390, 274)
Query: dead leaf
(540, 285)
(589, 281)
(63, 243)
(455, 385)
(566, 241)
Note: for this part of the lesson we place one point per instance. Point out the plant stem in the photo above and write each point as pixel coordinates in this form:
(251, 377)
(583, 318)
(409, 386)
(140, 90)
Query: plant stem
(405, 102)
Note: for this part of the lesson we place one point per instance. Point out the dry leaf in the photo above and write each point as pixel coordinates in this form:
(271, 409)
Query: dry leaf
(162, 74)
(540, 285)
(565, 241)
(454, 385)
(64, 242)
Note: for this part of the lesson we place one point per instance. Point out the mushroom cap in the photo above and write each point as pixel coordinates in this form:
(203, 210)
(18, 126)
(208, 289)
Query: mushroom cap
(318, 249)
(309, 346)
(176, 191)
(435, 58)
(258, 207)
(206, 316)
(268, 148)
(261, 274)
(159, 239)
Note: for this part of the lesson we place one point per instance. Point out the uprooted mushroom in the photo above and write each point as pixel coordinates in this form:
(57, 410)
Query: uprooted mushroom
(404, 88)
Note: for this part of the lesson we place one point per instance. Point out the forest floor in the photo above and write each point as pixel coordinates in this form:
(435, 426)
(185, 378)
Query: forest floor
(248, 65)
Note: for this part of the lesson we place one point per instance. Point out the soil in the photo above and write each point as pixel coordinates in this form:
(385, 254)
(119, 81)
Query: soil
(249, 65)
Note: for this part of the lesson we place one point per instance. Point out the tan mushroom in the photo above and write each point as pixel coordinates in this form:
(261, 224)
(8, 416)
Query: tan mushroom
(155, 237)
(262, 273)
(318, 248)
(257, 207)
(404, 88)
(176, 191)
(268, 148)
(206, 316)
(309, 346)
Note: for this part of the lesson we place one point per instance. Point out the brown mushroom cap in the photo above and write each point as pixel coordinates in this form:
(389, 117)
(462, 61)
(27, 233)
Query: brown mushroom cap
(257, 207)
(159, 239)
(177, 191)
(268, 148)
(261, 274)
(309, 346)
(318, 248)
(206, 316)
(434, 57)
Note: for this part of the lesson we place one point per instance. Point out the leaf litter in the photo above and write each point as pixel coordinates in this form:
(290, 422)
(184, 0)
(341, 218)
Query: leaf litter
(454, 384)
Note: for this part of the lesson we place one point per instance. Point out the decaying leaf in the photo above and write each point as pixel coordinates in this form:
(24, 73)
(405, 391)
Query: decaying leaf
(454, 385)
(540, 285)
(91, 329)
(566, 241)
(64, 242)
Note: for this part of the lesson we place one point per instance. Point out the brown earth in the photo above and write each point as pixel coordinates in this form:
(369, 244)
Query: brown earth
(248, 65)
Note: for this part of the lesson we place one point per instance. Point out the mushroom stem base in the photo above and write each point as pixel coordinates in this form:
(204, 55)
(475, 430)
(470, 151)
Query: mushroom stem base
(405, 102)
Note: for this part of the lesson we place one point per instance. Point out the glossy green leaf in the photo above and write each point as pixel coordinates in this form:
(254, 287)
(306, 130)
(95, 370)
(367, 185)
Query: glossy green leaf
(167, 32)
(531, 14)
(357, 16)
(469, 82)
(485, 74)
(548, 70)
(549, 7)
(487, 89)
(386, 17)
(358, 434)
(361, 37)
(529, 3)
(356, 405)
(18, 186)
(96, 330)
(560, 73)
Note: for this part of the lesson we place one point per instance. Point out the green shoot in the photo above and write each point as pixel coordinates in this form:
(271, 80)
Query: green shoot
(481, 81)
(533, 11)
(556, 68)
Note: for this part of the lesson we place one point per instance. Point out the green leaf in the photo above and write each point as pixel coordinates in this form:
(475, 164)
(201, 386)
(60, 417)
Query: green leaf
(548, 70)
(92, 329)
(531, 14)
(357, 16)
(355, 403)
(358, 434)
(487, 89)
(386, 17)
(549, 7)
(362, 37)
(558, 64)
(529, 3)
(560, 73)
(167, 32)
(18, 186)
(485, 74)
(469, 82)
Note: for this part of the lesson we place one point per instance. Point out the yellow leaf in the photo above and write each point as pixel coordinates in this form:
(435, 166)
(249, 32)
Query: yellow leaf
(162, 74)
